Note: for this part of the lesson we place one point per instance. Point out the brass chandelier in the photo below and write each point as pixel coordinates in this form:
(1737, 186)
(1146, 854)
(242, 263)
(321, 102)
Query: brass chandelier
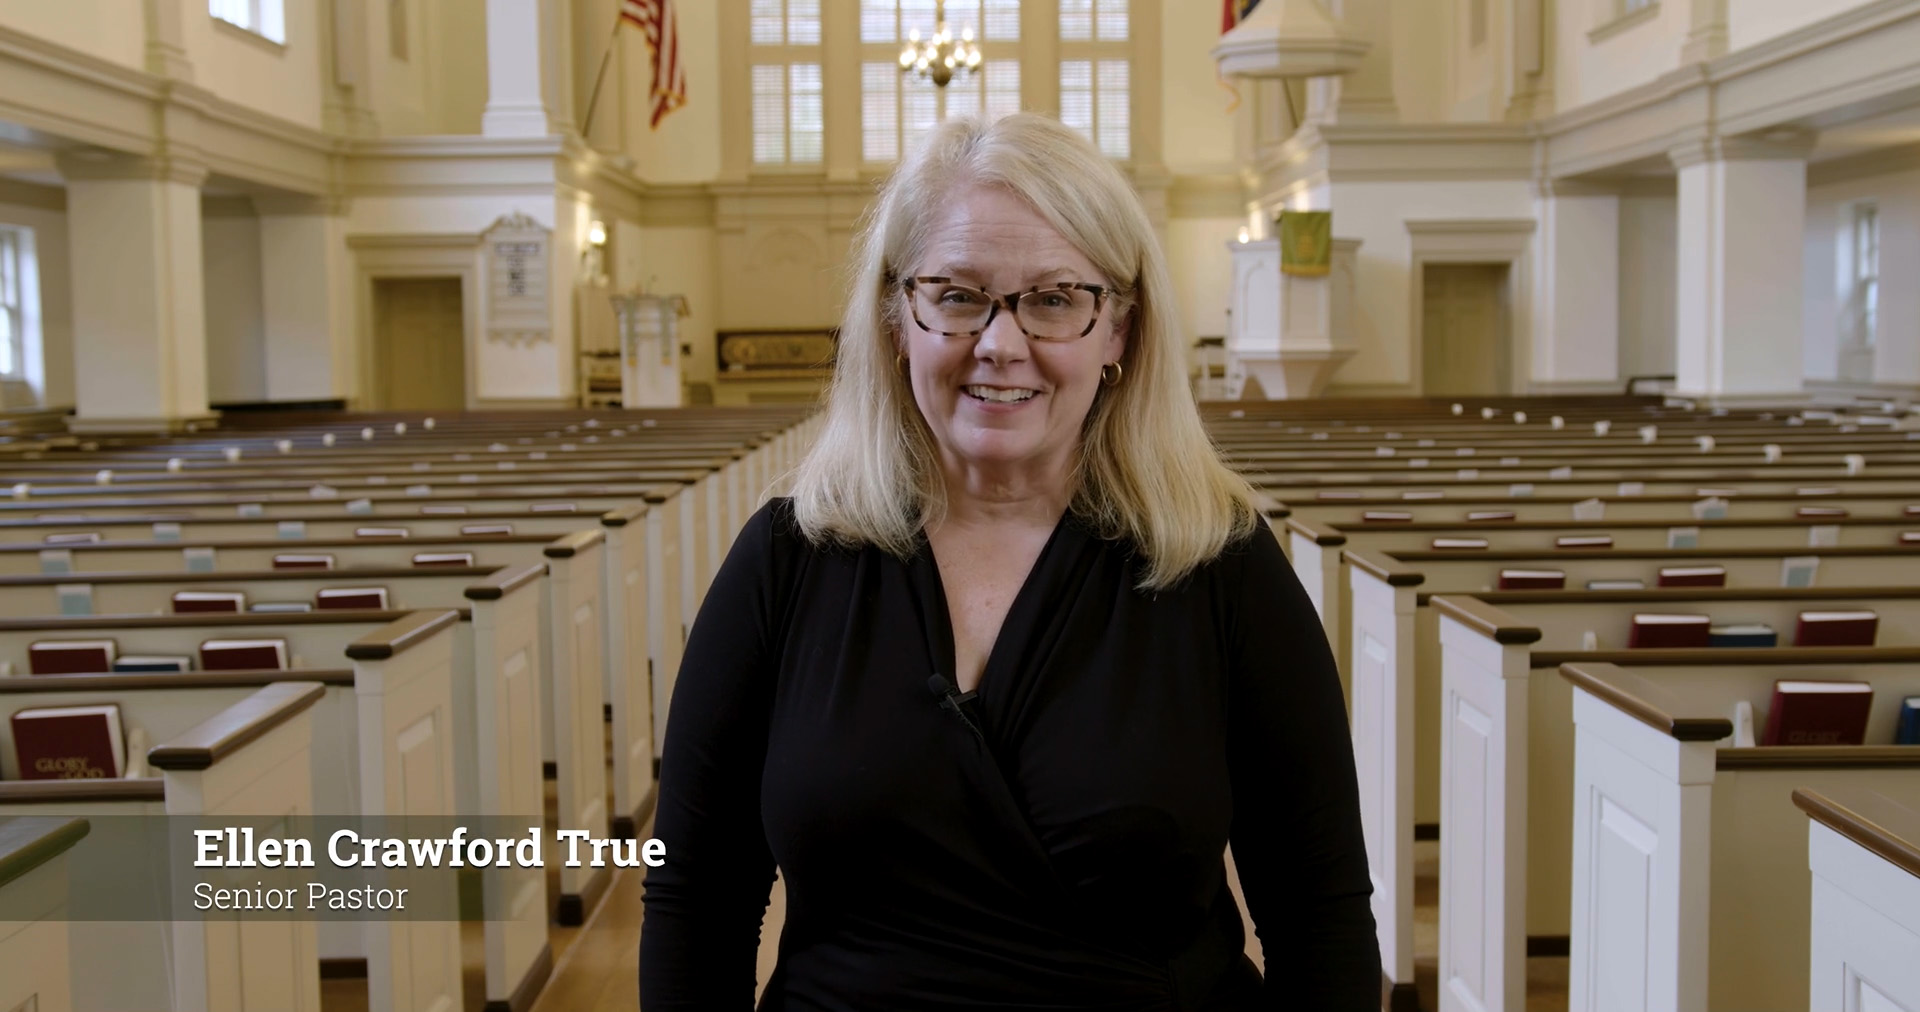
(940, 58)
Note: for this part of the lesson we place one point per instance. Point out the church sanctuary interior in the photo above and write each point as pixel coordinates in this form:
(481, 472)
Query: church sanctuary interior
(382, 383)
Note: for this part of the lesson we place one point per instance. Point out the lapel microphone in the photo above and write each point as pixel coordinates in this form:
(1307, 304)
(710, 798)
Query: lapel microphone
(954, 701)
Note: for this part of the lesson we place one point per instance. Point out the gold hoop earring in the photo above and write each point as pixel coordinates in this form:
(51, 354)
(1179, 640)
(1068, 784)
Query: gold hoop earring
(899, 361)
(1114, 381)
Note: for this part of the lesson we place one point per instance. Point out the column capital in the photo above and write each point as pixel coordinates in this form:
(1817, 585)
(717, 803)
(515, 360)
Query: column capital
(99, 163)
(1785, 144)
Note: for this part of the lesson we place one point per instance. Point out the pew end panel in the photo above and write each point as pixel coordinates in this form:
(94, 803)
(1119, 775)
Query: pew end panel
(1383, 741)
(1864, 852)
(629, 681)
(35, 951)
(1316, 561)
(1483, 784)
(666, 619)
(403, 687)
(577, 717)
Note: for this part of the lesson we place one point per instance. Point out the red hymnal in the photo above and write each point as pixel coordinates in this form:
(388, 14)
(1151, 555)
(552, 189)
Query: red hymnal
(379, 532)
(1818, 713)
(89, 538)
(71, 657)
(243, 655)
(351, 598)
(1386, 516)
(479, 530)
(303, 562)
(1812, 512)
(1910, 537)
(1480, 516)
(1836, 629)
(551, 507)
(443, 559)
(1533, 579)
(1444, 543)
(187, 601)
(1584, 541)
(1693, 576)
(1663, 632)
(69, 743)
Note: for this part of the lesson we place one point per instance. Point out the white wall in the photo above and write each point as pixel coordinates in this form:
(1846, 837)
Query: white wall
(1648, 251)
(280, 80)
(1588, 71)
(236, 323)
(109, 29)
(1828, 227)
(50, 365)
(1376, 213)
(1753, 21)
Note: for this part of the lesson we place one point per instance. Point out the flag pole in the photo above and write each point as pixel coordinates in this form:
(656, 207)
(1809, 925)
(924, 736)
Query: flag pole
(586, 127)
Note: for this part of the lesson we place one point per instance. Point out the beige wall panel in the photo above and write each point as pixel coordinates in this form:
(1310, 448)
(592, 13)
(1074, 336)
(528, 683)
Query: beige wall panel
(1589, 69)
(1750, 22)
(1202, 273)
(686, 147)
(1648, 233)
(681, 260)
(109, 29)
(1195, 124)
(236, 323)
(280, 80)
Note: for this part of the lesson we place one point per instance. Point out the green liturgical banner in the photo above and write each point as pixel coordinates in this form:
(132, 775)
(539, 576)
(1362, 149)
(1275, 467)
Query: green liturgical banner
(1306, 242)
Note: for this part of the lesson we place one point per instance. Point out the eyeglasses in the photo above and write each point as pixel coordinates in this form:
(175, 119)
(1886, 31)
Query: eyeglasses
(1063, 312)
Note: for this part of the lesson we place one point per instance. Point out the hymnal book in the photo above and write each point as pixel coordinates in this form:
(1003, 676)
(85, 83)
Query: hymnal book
(1616, 584)
(1532, 579)
(1742, 726)
(1818, 713)
(1683, 537)
(1693, 576)
(1386, 516)
(69, 743)
(1910, 537)
(153, 662)
(379, 532)
(1836, 629)
(88, 538)
(1713, 508)
(1445, 543)
(1652, 630)
(280, 607)
(303, 562)
(347, 598)
(1806, 512)
(472, 530)
(1584, 541)
(189, 601)
(1906, 727)
(1590, 509)
(1522, 490)
(443, 559)
(71, 657)
(551, 507)
(244, 655)
(1823, 536)
(1752, 634)
(1912, 511)
(444, 511)
(1482, 516)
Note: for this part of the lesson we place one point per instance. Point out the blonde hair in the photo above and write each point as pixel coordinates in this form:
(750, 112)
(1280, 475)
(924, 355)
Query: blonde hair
(1146, 471)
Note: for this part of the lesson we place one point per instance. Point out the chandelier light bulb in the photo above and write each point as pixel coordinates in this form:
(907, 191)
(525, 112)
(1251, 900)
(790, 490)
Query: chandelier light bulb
(913, 35)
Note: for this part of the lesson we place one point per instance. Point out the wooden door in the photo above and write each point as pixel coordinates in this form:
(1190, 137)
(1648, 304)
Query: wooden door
(1463, 330)
(419, 356)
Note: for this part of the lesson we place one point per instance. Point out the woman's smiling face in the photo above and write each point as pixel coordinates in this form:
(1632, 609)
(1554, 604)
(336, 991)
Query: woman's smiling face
(1002, 403)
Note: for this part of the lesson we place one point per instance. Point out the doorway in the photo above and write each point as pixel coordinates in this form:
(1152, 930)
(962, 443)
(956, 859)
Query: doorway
(1465, 331)
(419, 334)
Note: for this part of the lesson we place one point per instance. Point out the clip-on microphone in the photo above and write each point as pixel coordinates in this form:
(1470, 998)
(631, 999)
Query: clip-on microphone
(952, 699)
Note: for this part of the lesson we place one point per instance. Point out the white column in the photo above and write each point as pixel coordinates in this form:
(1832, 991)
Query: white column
(139, 319)
(306, 299)
(1576, 324)
(528, 87)
(1741, 214)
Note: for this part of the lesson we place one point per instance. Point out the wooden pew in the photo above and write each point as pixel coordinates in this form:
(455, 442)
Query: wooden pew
(393, 727)
(1505, 870)
(1864, 851)
(35, 960)
(252, 758)
(1691, 882)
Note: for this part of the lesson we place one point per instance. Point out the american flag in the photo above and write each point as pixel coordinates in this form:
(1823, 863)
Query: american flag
(655, 18)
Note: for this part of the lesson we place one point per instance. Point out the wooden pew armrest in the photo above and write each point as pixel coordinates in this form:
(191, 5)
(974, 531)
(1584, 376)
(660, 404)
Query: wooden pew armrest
(29, 842)
(1873, 821)
(1485, 619)
(398, 635)
(575, 543)
(225, 732)
(503, 582)
(1319, 534)
(1391, 570)
(1642, 699)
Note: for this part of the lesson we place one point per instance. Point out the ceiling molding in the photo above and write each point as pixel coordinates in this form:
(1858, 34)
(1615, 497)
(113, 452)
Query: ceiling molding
(1865, 165)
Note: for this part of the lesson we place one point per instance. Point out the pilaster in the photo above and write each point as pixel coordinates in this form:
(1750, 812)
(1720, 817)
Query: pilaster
(527, 70)
(166, 52)
(1706, 31)
(1576, 329)
(306, 297)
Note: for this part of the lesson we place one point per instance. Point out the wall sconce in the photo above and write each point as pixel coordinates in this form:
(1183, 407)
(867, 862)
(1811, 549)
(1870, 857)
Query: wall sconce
(596, 234)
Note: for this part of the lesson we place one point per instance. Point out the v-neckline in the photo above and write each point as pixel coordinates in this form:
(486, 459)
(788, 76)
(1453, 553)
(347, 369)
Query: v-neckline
(946, 650)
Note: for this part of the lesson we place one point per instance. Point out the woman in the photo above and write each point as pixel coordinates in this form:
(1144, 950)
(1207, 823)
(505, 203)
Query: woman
(1017, 661)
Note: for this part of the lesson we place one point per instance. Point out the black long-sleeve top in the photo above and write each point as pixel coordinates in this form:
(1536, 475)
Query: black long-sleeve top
(1060, 847)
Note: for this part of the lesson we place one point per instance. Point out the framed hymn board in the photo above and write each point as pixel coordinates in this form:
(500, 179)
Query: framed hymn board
(797, 354)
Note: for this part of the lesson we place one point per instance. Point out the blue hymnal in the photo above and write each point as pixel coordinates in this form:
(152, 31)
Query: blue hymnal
(153, 664)
(1742, 636)
(1908, 731)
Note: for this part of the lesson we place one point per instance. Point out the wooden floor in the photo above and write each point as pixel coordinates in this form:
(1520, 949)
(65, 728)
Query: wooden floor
(1546, 975)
